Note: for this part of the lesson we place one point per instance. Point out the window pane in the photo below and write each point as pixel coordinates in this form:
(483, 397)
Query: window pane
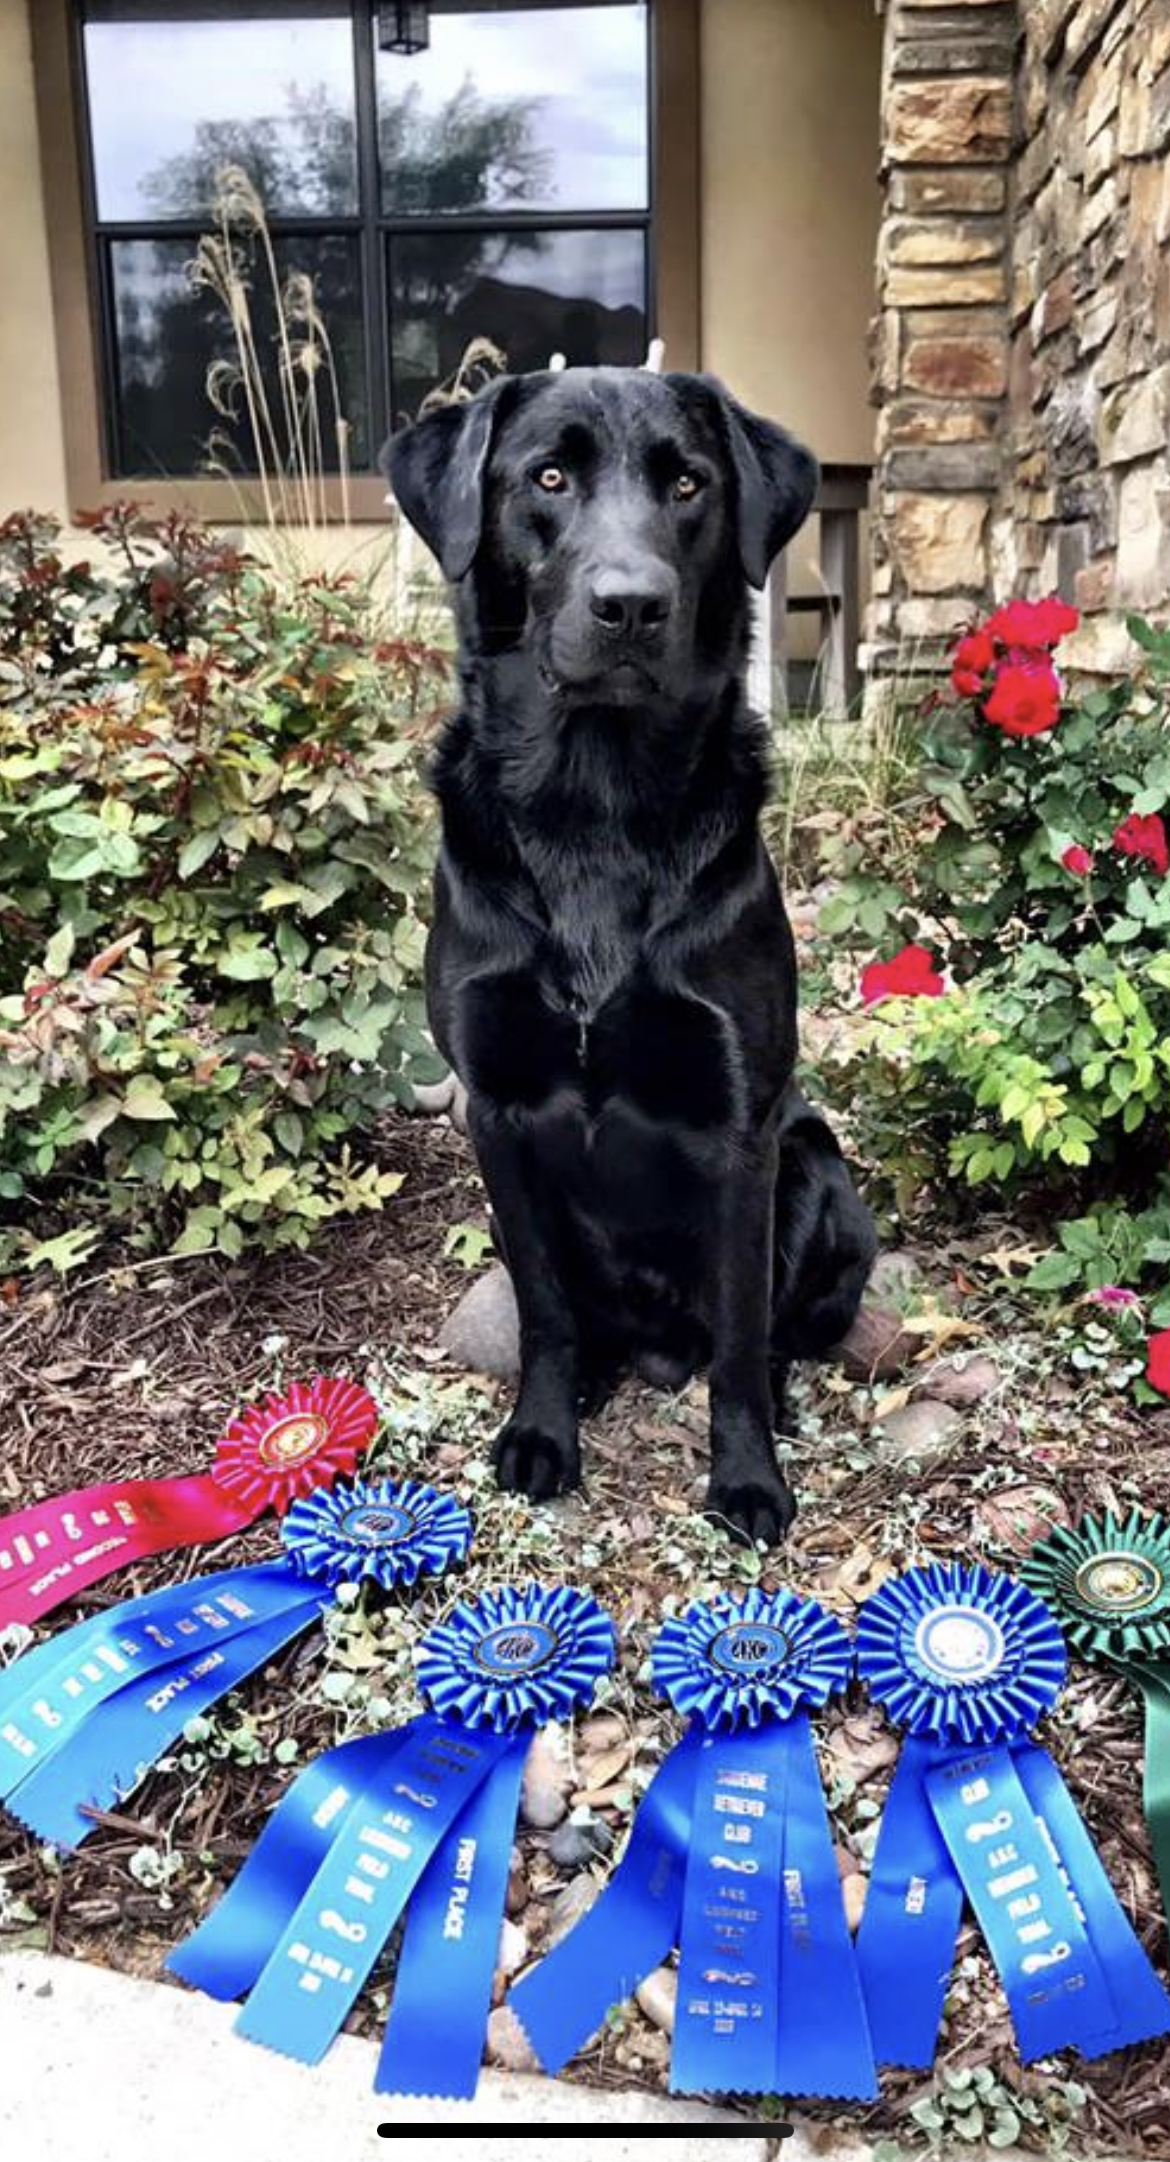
(519, 108)
(533, 294)
(169, 333)
(171, 101)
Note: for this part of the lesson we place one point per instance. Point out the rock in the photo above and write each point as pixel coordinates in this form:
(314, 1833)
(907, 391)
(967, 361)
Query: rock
(1135, 419)
(956, 466)
(853, 1890)
(431, 1098)
(507, 2043)
(657, 1996)
(574, 1845)
(962, 188)
(941, 240)
(517, 1897)
(603, 1731)
(963, 121)
(569, 1905)
(920, 1429)
(937, 541)
(915, 287)
(877, 1345)
(1143, 537)
(960, 1380)
(483, 1331)
(895, 1277)
(957, 367)
(513, 1949)
(548, 1780)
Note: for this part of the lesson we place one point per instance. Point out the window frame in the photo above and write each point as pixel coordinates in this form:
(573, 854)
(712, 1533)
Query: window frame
(78, 251)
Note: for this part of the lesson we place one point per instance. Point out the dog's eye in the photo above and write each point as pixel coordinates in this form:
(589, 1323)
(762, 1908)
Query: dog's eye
(551, 479)
(686, 486)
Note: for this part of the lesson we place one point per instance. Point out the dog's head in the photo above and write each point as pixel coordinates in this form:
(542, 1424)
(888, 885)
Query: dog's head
(604, 522)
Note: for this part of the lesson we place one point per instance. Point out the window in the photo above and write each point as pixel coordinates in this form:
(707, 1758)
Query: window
(503, 182)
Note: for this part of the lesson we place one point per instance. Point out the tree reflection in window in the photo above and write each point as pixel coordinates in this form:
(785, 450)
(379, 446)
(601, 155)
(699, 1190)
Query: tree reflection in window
(515, 147)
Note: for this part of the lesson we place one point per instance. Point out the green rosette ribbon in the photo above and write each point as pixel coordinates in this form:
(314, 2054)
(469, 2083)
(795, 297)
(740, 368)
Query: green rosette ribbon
(1107, 1580)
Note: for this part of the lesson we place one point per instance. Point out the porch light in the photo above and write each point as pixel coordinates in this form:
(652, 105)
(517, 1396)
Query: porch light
(404, 26)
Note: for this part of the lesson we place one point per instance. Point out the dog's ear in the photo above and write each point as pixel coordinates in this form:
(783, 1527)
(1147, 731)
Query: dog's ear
(436, 470)
(776, 481)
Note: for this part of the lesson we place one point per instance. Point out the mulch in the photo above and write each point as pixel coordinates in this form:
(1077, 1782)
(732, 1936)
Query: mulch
(131, 1370)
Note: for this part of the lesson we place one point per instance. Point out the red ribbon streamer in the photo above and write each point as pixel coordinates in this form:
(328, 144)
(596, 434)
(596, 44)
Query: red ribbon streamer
(270, 1455)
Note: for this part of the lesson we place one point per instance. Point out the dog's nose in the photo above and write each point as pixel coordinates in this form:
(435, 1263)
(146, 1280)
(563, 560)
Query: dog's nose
(629, 602)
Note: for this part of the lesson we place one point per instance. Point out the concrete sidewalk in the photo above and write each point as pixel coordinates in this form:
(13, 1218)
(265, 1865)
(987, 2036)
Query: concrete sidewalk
(98, 2067)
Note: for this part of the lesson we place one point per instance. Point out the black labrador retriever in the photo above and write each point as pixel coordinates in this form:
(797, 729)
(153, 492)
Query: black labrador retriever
(611, 972)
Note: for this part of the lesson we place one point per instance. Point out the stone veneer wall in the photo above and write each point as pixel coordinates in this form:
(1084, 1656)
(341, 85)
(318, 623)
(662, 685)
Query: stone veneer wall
(1021, 349)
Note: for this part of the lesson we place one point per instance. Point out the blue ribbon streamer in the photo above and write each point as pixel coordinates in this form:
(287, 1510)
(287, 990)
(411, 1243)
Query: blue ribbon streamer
(106, 1757)
(1056, 1989)
(729, 1938)
(1037, 1885)
(628, 1931)
(443, 1987)
(387, 1839)
(910, 1924)
(229, 1950)
(48, 1703)
(1141, 2004)
(823, 2046)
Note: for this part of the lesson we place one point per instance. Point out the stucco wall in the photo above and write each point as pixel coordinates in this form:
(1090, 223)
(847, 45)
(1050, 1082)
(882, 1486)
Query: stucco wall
(790, 147)
(790, 205)
(32, 466)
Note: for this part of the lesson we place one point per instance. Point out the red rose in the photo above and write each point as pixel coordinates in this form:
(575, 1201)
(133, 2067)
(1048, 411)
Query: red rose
(1146, 838)
(1158, 1361)
(1078, 860)
(974, 659)
(911, 974)
(1033, 623)
(1025, 699)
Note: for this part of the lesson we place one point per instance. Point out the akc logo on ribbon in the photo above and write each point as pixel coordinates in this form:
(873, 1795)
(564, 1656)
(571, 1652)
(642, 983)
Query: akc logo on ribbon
(84, 1714)
(421, 1820)
(731, 1859)
(269, 1455)
(967, 1661)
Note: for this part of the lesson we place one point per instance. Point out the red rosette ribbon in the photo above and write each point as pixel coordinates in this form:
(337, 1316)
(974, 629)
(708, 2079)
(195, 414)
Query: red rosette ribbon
(271, 1454)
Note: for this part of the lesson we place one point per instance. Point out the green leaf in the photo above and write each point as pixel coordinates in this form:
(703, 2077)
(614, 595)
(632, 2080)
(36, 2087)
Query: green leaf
(59, 951)
(246, 960)
(197, 850)
(144, 1099)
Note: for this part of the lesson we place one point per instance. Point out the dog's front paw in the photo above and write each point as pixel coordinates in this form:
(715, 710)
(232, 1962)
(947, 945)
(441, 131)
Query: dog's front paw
(760, 1507)
(530, 1461)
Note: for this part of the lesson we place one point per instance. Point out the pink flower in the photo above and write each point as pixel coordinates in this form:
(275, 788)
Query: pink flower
(1158, 1361)
(1025, 700)
(1077, 860)
(1114, 1295)
(1033, 623)
(911, 974)
(974, 659)
(1144, 837)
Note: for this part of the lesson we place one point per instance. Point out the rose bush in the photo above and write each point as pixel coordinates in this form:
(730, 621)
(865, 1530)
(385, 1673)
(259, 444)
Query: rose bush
(214, 836)
(1039, 880)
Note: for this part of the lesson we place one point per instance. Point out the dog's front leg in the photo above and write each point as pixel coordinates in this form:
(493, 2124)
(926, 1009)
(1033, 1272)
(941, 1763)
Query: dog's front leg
(537, 1452)
(747, 1489)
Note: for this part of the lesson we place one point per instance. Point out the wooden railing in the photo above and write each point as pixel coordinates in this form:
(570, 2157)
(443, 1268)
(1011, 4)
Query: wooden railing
(841, 498)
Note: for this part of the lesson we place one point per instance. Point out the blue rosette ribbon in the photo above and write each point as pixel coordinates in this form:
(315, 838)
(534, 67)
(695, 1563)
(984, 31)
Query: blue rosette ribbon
(730, 1858)
(85, 1714)
(419, 1821)
(966, 1661)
